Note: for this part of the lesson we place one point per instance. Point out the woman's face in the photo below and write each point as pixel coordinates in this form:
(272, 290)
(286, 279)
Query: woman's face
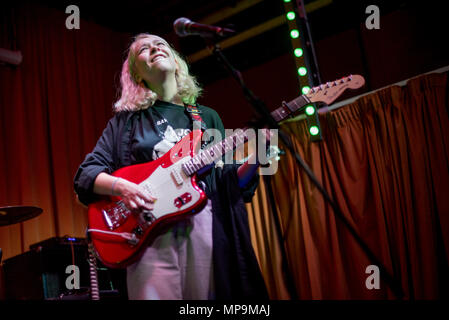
(154, 59)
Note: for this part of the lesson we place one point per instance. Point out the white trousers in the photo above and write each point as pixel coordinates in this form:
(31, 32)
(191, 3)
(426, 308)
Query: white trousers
(178, 264)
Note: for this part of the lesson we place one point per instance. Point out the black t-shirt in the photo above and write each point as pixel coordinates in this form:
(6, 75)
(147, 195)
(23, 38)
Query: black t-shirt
(160, 127)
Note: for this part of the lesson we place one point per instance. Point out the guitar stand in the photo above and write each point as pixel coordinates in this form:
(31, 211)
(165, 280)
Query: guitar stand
(261, 109)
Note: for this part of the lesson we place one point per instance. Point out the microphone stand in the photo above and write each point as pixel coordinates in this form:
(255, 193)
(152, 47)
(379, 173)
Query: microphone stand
(261, 109)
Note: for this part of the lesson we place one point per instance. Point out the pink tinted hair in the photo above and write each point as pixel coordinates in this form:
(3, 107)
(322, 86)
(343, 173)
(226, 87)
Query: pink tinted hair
(134, 96)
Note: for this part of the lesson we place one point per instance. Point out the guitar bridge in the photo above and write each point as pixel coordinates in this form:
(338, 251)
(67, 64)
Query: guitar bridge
(115, 216)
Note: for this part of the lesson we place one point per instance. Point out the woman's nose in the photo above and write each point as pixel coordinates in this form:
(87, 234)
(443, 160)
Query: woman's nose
(154, 49)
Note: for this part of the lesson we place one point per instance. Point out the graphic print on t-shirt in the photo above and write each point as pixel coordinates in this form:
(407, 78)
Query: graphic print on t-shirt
(170, 138)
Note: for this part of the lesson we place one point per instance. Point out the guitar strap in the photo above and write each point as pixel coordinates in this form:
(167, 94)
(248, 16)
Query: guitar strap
(195, 115)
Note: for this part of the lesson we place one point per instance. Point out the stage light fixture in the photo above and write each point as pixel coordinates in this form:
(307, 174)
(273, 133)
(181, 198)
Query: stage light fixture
(10, 57)
(305, 90)
(310, 110)
(302, 71)
(298, 52)
(314, 130)
(303, 63)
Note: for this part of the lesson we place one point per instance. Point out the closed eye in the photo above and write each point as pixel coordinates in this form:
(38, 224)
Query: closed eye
(142, 49)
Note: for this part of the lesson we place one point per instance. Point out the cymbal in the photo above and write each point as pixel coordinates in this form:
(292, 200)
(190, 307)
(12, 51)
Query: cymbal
(15, 214)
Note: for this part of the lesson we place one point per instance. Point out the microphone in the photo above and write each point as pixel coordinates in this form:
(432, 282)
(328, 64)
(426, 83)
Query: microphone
(185, 27)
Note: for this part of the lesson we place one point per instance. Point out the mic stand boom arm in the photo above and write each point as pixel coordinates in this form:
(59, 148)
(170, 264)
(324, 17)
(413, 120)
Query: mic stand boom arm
(262, 110)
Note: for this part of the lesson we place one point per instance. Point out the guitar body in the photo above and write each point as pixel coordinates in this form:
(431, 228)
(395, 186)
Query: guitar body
(119, 235)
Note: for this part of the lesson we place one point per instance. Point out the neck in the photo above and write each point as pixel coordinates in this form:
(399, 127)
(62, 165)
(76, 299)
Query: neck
(167, 89)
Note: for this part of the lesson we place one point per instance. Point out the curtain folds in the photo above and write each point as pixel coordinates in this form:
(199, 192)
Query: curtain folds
(53, 108)
(384, 161)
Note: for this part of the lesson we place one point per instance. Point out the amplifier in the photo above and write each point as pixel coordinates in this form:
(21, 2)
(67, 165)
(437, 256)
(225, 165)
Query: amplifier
(43, 273)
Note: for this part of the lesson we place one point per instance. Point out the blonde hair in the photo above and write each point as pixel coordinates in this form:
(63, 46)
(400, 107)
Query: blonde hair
(134, 96)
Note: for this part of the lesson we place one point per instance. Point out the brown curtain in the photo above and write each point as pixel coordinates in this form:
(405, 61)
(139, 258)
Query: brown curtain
(384, 161)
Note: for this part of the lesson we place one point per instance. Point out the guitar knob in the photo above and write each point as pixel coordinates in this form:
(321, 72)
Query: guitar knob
(138, 230)
(148, 215)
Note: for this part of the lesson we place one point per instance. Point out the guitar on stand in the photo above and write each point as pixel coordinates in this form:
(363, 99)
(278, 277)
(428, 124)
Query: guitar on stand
(119, 235)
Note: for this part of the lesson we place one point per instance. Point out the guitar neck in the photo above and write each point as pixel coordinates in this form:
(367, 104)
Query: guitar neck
(326, 93)
(289, 108)
(239, 137)
(208, 156)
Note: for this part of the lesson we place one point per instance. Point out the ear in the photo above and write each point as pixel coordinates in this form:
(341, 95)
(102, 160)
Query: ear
(141, 82)
(178, 68)
(144, 84)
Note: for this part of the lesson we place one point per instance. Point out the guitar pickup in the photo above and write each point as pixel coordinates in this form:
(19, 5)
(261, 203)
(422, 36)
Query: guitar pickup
(177, 177)
(183, 199)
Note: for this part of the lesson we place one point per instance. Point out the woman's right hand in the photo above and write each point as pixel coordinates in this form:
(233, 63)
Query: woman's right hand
(133, 196)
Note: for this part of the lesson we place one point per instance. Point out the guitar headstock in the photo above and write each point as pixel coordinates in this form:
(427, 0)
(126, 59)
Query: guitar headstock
(330, 91)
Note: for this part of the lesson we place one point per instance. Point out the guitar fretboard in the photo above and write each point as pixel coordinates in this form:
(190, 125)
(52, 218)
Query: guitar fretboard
(289, 108)
(216, 152)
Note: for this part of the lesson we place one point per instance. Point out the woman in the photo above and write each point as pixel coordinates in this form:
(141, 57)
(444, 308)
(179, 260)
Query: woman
(208, 255)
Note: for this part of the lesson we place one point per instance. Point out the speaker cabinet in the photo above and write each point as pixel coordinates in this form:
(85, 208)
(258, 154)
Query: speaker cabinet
(40, 273)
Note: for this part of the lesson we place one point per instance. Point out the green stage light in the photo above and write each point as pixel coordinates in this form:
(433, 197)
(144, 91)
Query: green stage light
(294, 33)
(305, 89)
(298, 52)
(290, 15)
(314, 130)
(302, 71)
(287, 0)
(310, 110)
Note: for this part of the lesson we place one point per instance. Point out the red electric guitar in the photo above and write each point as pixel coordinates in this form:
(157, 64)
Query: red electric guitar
(119, 236)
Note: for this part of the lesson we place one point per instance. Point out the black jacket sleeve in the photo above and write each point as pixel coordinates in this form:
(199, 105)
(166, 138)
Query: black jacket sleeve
(101, 159)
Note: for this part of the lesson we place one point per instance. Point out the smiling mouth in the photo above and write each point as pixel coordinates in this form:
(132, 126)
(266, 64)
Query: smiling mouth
(157, 58)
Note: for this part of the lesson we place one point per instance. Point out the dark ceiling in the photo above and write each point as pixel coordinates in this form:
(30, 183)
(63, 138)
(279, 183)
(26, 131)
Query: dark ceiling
(157, 17)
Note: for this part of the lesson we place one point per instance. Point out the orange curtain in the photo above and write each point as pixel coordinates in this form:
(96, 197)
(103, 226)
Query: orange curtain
(384, 161)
